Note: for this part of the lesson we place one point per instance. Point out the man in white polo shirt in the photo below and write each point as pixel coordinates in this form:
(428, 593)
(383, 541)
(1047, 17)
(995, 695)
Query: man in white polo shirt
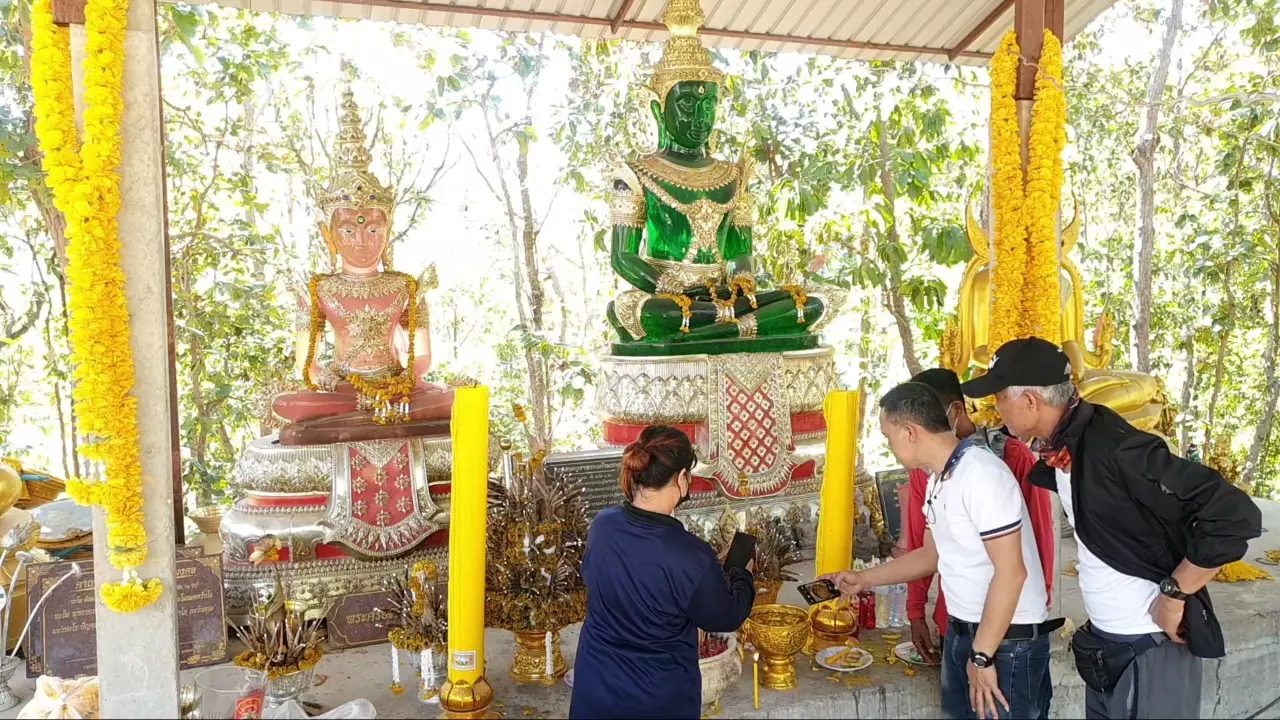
(995, 662)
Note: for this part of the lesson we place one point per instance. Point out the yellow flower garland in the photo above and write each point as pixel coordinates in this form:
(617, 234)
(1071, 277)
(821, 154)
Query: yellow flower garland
(1041, 290)
(85, 184)
(1010, 256)
(685, 303)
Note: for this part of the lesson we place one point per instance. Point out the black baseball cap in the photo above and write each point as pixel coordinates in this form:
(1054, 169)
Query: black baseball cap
(1030, 362)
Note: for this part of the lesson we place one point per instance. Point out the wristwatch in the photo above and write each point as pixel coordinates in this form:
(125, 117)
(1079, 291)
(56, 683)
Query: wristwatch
(1169, 588)
(980, 659)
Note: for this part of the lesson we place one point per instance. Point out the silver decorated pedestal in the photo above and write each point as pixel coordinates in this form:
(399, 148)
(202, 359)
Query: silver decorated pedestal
(332, 520)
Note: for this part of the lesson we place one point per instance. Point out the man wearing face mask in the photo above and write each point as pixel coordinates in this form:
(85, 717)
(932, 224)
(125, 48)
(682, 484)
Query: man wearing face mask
(1017, 456)
(651, 586)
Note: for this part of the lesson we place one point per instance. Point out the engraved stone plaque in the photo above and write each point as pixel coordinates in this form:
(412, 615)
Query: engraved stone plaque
(360, 619)
(597, 472)
(63, 637)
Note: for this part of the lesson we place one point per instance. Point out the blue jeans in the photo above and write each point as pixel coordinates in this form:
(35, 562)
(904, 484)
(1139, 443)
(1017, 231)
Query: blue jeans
(1022, 667)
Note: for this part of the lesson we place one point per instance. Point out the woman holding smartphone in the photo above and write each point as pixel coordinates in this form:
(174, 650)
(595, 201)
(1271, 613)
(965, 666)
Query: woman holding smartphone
(651, 585)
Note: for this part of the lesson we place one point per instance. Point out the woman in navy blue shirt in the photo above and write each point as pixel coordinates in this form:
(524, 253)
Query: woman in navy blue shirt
(650, 586)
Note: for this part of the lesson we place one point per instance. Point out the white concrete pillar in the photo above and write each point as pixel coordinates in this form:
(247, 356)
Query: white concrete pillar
(138, 652)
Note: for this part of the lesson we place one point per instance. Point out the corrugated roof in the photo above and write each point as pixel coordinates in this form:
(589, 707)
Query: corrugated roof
(964, 31)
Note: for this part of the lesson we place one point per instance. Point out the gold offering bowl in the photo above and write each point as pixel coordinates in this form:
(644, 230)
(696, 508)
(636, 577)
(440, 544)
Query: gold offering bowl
(530, 664)
(778, 632)
(833, 624)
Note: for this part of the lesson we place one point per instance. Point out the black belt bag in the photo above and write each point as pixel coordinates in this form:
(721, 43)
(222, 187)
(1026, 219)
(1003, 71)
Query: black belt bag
(1101, 662)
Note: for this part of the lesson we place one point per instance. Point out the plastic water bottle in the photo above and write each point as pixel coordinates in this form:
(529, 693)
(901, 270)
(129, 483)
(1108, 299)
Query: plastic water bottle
(898, 615)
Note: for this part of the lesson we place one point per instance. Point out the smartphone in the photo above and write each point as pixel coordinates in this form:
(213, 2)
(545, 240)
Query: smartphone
(741, 551)
(818, 591)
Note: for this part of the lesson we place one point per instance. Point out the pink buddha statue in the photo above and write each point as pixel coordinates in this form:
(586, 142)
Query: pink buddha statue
(381, 347)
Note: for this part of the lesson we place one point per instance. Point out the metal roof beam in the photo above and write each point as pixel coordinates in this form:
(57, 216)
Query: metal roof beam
(615, 23)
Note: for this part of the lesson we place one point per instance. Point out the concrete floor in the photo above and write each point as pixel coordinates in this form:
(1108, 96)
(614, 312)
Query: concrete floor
(1245, 682)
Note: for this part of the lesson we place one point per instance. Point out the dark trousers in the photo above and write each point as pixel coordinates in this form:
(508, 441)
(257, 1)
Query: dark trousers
(1163, 682)
(1022, 667)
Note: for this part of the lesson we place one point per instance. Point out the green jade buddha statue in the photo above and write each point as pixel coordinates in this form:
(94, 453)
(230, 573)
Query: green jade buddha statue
(682, 223)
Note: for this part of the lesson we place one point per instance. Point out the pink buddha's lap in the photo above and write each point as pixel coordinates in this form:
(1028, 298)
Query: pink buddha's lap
(427, 402)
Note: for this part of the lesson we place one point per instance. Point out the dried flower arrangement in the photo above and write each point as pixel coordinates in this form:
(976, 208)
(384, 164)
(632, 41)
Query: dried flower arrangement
(419, 617)
(776, 547)
(280, 640)
(537, 534)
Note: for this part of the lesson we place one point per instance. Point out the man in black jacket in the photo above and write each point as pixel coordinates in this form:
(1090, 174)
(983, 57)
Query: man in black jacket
(1151, 529)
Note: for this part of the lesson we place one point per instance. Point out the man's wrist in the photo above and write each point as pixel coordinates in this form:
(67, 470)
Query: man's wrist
(1171, 590)
(982, 660)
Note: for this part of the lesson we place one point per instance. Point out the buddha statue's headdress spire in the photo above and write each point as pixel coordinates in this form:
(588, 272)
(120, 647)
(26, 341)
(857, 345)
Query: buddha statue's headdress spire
(684, 58)
(352, 185)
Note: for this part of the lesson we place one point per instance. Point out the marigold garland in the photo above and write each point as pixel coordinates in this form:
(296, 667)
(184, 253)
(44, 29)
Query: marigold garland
(1010, 252)
(85, 184)
(1047, 137)
(799, 297)
(685, 303)
(1241, 571)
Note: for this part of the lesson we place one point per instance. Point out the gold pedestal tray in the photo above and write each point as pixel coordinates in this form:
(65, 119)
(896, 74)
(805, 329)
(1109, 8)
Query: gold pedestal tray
(779, 632)
(530, 663)
(833, 624)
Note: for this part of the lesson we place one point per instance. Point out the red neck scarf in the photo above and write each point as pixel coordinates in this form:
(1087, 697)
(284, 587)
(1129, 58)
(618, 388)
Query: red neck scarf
(1054, 451)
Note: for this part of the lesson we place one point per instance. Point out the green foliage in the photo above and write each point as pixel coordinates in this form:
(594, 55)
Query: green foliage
(863, 171)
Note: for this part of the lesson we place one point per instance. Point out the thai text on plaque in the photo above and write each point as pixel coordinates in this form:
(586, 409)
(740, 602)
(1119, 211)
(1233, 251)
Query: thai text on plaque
(63, 638)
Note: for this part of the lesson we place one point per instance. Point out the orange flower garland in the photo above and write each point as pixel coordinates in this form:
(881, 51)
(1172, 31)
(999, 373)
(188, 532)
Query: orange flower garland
(685, 303)
(1041, 290)
(1010, 252)
(85, 182)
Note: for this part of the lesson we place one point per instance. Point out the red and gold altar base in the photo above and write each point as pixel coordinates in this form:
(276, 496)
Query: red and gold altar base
(755, 418)
(333, 518)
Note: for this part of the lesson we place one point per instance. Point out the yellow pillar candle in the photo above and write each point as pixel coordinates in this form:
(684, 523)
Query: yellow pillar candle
(467, 691)
(836, 509)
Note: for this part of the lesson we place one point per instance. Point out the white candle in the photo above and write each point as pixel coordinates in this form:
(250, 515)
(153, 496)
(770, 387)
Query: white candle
(395, 666)
(550, 674)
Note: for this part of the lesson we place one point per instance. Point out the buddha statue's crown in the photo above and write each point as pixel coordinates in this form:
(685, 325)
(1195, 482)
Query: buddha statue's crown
(683, 57)
(352, 185)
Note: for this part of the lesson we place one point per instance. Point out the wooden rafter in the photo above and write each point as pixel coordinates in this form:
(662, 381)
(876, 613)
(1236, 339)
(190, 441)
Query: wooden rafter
(621, 16)
(980, 28)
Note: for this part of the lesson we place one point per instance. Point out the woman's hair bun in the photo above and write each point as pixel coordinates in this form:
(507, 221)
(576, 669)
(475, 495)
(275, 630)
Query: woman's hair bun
(636, 457)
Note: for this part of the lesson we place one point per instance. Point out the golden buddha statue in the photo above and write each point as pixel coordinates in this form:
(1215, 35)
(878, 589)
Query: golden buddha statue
(1140, 398)
(378, 317)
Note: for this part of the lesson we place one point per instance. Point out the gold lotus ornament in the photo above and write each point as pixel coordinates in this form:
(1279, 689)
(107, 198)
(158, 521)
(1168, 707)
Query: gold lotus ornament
(779, 632)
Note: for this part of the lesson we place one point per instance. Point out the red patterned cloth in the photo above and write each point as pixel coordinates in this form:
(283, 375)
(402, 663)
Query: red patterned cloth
(1059, 459)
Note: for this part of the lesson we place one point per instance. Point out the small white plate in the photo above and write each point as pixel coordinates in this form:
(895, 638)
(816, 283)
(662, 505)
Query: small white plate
(863, 658)
(907, 653)
(568, 679)
(1265, 561)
